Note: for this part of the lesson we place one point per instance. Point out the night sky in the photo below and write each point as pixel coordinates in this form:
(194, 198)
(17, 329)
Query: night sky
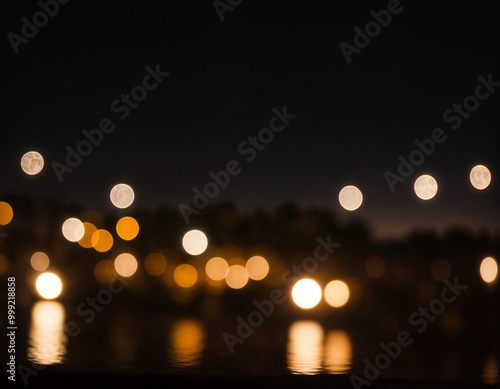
(225, 77)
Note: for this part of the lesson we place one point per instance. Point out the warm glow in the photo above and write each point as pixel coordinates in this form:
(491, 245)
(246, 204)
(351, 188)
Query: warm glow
(236, 277)
(440, 270)
(489, 372)
(216, 268)
(426, 187)
(375, 266)
(338, 352)
(86, 240)
(488, 269)
(47, 341)
(336, 293)
(103, 271)
(306, 293)
(480, 177)
(185, 275)
(48, 285)
(257, 268)
(4, 264)
(32, 163)
(126, 265)
(155, 264)
(305, 347)
(122, 196)
(102, 241)
(127, 228)
(39, 261)
(73, 229)
(6, 213)
(187, 342)
(350, 198)
(194, 242)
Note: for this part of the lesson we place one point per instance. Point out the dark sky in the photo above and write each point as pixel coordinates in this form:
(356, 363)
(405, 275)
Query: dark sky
(353, 120)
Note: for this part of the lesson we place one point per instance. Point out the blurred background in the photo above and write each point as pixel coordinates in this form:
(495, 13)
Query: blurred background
(146, 199)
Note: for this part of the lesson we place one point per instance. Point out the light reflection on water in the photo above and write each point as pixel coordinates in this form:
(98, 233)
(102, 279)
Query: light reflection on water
(490, 370)
(338, 352)
(123, 342)
(47, 341)
(186, 343)
(305, 347)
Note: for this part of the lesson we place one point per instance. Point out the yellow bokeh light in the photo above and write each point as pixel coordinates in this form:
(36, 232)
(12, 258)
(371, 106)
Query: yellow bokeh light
(426, 187)
(73, 229)
(122, 196)
(155, 264)
(187, 340)
(126, 265)
(216, 268)
(480, 177)
(236, 277)
(103, 271)
(336, 293)
(4, 264)
(257, 268)
(127, 228)
(6, 213)
(305, 347)
(32, 163)
(48, 285)
(86, 240)
(185, 275)
(350, 198)
(375, 266)
(488, 269)
(194, 242)
(102, 241)
(306, 293)
(338, 352)
(39, 261)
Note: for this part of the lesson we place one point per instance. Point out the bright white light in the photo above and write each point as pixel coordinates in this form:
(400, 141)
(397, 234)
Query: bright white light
(126, 265)
(488, 269)
(32, 163)
(480, 177)
(426, 187)
(73, 229)
(122, 196)
(48, 285)
(194, 242)
(306, 293)
(350, 198)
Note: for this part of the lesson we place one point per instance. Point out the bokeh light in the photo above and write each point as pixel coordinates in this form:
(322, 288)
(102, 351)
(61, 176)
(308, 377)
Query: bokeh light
(39, 261)
(425, 187)
(480, 177)
(194, 242)
(6, 213)
(73, 229)
(185, 275)
(350, 198)
(122, 196)
(336, 293)
(305, 347)
(32, 163)
(86, 240)
(127, 228)
(103, 271)
(216, 268)
(187, 342)
(102, 241)
(126, 265)
(488, 269)
(155, 264)
(306, 293)
(257, 268)
(338, 352)
(375, 266)
(236, 276)
(48, 285)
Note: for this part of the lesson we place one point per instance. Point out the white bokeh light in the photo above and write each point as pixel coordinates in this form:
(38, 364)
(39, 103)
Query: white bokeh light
(122, 196)
(73, 229)
(350, 198)
(194, 242)
(480, 177)
(48, 285)
(306, 293)
(426, 187)
(32, 163)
